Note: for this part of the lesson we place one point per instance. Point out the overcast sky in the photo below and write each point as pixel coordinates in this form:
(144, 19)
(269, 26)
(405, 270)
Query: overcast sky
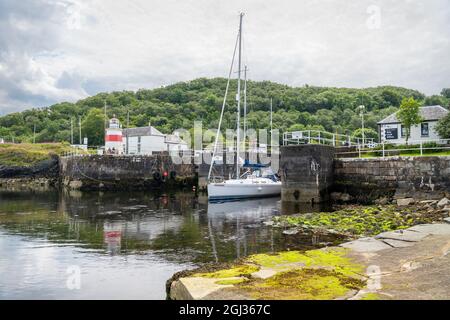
(64, 50)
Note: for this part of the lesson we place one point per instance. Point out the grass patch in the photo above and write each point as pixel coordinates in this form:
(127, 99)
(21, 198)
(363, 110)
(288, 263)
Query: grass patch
(26, 154)
(408, 154)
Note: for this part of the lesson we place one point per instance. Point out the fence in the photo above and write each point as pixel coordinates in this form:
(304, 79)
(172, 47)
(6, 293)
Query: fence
(322, 137)
(383, 149)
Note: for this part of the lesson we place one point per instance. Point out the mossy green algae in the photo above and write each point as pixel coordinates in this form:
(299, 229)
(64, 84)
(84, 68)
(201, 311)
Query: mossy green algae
(303, 284)
(243, 270)
(334, 258)
(231, 281)
(312, 275)
(359, 220)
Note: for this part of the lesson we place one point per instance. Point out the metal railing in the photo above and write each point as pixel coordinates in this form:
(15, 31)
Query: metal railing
(383, 149)
(322, 137)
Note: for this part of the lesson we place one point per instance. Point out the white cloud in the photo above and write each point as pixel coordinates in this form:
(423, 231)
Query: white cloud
(65, 49)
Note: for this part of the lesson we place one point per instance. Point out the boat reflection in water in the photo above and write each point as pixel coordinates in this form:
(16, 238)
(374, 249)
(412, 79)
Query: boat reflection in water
(247, 217)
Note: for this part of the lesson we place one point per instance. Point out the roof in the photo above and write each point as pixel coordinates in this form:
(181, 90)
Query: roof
(428, 113)
(173, 138)
(152, 131)
(142, 131)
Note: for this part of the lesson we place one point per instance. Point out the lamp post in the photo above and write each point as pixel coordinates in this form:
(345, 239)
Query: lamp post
(361, 110)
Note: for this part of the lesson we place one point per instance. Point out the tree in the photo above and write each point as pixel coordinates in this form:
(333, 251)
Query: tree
(180, 104)
(391, 97)
(93, 127)
(443, 127)
(368, 133)
(446, 93)
(435, 100)
(409, 115)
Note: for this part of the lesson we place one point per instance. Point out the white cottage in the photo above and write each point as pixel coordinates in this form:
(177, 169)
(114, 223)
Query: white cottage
(147, 140)
(391, 130)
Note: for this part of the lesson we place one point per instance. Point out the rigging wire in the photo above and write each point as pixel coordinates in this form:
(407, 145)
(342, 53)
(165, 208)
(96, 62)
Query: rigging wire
(223, 107)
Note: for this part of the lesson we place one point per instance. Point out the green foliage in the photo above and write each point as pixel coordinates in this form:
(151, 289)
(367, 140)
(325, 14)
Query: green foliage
(446, 93)
(368, 133)
(179, 105)
(93, 127)
(435, 100)
(409, 115)
(443, 127)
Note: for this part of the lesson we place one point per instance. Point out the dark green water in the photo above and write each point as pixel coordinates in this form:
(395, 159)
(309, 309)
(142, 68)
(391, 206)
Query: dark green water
(124, 246)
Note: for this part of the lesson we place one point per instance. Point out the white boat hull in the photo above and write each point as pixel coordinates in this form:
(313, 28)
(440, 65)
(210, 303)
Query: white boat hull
(242, 189)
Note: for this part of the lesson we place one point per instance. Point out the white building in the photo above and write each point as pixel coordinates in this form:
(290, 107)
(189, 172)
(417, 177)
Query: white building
(391, 130)
(146, 140)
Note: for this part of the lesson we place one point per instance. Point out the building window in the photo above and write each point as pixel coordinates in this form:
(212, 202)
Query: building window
(391, 133)
(424, 130)
(403, 131)
(139, 145)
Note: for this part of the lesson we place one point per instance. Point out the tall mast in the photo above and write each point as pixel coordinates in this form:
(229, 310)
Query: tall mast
(271, 117)
(223, 107)
(71, 131)
(238, 96)
(79, 126)
(271, 123)
(245, 104)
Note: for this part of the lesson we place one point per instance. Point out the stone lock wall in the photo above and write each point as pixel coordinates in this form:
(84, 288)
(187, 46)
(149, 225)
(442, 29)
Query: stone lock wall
(311, 173)
(124, 172)
(306, 173)
(398, 177)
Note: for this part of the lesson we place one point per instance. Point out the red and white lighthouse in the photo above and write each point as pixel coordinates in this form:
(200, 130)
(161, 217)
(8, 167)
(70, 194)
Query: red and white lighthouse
(113, 137)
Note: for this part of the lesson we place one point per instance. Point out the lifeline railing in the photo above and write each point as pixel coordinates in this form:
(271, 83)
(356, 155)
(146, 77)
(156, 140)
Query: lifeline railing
(322, 137)
(386, 149)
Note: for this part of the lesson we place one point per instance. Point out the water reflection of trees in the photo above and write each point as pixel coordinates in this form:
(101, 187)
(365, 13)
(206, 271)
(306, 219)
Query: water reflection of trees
(177, 226)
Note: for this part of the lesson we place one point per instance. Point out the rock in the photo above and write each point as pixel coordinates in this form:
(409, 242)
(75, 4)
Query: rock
(366, 245)
(403, 235)
(75, 184)
(109, 213)
(443, 202)
(290, 232)
(405, 201)
(252, 226)
(447, 220)
(410, 266)
(432, 229)
(398, 243)
(382, 201)
(194, 288)
(340, 197)
(429, 201)
(264, 273)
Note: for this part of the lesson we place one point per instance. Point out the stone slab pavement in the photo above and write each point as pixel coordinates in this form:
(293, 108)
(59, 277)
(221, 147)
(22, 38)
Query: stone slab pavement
(412, 270)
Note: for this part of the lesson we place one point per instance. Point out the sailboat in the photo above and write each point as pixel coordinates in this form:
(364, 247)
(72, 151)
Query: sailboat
(260, 182)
